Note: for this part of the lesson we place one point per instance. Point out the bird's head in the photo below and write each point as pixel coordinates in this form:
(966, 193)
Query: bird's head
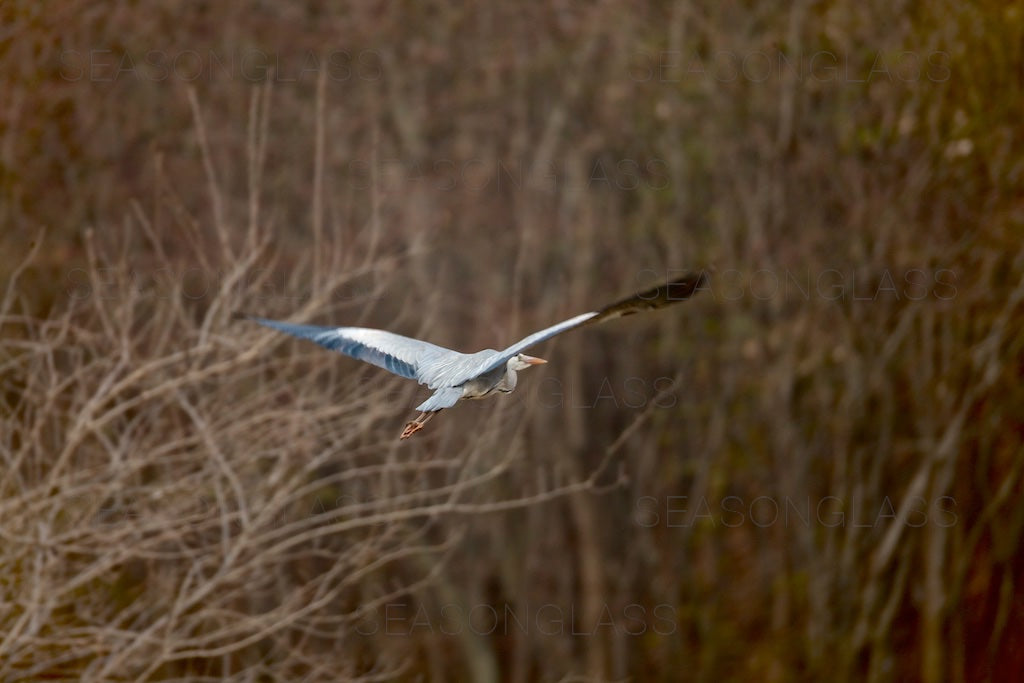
(521, 361)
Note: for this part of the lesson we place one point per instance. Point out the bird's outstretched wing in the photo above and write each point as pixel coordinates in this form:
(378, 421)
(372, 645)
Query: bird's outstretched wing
(419, 360)
(657, 297)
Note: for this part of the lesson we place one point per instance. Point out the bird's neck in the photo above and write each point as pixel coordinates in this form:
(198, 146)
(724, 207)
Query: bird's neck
(508, 382)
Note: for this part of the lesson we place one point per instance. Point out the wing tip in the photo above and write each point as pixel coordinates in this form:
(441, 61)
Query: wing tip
(672, 291)
(686, 286)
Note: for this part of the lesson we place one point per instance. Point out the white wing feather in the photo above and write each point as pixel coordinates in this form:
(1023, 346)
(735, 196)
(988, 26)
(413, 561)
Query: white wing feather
(429, 364)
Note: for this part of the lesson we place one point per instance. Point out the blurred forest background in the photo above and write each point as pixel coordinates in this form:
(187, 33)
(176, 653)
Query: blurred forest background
(812, 470)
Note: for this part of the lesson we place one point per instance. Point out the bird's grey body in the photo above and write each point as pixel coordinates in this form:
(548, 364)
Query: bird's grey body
(501, 380)
(455, 376)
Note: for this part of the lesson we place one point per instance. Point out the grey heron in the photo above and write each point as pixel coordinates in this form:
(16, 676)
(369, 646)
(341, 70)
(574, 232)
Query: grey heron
(454, 376)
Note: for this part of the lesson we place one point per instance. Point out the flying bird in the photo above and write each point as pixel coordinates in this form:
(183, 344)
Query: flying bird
(454, 376)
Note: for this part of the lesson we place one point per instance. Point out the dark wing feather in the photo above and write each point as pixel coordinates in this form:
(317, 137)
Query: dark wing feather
(661, 296)
(657, 297)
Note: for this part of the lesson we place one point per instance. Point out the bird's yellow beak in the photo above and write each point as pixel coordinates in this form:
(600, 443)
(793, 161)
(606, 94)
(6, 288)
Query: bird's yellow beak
(533, 361)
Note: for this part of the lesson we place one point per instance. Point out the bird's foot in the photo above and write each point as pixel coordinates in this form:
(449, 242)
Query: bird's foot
(411, 428)
(416, 425)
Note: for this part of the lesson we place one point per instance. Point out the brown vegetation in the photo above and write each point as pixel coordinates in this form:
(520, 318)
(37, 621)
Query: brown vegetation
(812, 470)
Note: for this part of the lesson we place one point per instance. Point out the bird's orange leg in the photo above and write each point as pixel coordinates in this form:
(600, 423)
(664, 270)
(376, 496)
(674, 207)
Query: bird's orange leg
(416, 425)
